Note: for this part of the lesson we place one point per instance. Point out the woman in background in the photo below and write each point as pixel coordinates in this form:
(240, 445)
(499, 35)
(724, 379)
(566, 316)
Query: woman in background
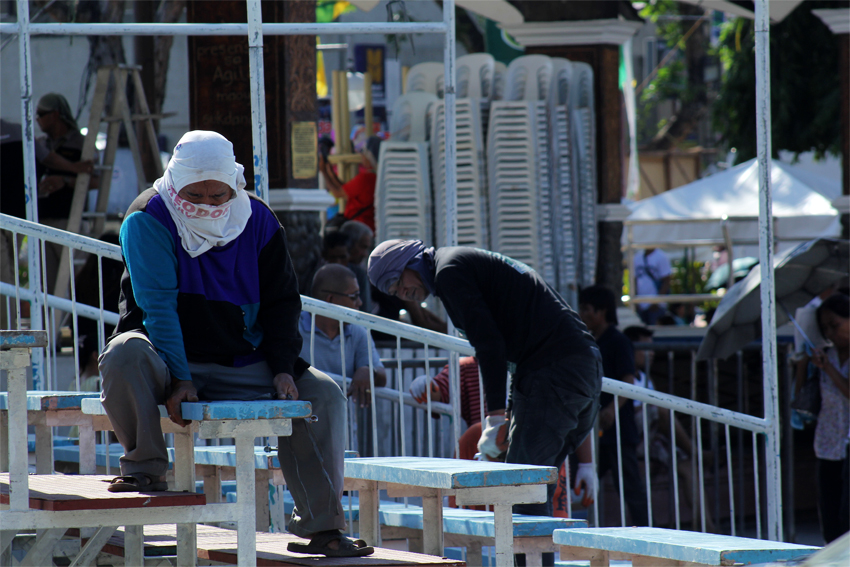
(831, 435)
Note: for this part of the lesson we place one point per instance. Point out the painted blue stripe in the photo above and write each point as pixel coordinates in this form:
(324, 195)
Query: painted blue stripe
(446, 473)
(263, 409)
(710, 549)
(50, 400)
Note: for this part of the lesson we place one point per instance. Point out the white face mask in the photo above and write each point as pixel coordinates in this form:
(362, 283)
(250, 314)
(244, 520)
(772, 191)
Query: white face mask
(201, 156)
(198, 211)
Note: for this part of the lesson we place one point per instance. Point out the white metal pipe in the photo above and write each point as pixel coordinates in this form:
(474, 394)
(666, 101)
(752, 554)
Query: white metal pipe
(78, 241)
(622, 488)
(30, 185)
(450, 118)
(701, 475)
(258, 99)
(372, 394)
(400, 386)
(756, 484)
(646, 447)
(62, 304)
(691, 407)
(428, 402)
(226, 29)
(675, 471)
(768, 296)
(729, 472)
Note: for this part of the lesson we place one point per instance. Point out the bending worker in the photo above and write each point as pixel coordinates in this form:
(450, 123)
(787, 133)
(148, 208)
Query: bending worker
(510, 315)
(209, 310)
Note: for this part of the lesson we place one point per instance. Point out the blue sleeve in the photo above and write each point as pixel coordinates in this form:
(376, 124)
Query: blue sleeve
(151, 260)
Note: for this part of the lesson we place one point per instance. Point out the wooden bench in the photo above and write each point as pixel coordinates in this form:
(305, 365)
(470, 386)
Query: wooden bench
(241, 421)
(664, 547)
(220, 546)
(471, 529)
(46, 410)
(78, 494)
(471, 482)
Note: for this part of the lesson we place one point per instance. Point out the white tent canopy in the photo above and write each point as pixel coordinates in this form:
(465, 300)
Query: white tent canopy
(801, 208)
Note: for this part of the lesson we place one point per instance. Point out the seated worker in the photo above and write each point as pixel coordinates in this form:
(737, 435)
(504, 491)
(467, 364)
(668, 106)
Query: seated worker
(337, 285)
(598, 310)
(510, 315)
(361, 240)
(209, 310)
(359, 193)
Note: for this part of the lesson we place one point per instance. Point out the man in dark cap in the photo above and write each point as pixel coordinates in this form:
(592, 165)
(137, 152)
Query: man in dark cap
(511, 317)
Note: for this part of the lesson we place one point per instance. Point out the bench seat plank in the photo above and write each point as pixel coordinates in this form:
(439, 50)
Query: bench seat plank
(50, 400)
(446, 473)
(203, 411)
(693, 547)
(89, 492)
(217, 544)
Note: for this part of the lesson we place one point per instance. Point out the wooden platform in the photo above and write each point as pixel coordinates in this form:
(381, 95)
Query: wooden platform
(217, 544)
(89, 492)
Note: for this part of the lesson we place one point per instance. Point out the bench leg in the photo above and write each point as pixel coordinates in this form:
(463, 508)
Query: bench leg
(504, 528)
(134, 545)
(599, 559)
(4, 441)
(245, 493)
(432, 524)
(184, 480)
(261, 497)
(88, 554)
(473, 553)
(41, 553)
(88, 461)
(43, 449)
(212, 486)
(369, 528)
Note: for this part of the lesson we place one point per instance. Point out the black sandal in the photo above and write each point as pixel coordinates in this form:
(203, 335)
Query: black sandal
(137, 482)
(319, 545)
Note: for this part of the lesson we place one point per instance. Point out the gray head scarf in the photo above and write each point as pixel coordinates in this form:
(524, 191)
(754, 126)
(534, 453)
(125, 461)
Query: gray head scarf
(55, 101)
(389, 259)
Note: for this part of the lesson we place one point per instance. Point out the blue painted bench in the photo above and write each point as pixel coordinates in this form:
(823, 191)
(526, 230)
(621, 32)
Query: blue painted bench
(241, 421)
(471, 482)
(471, 529)
(665, 547)
(45, 410)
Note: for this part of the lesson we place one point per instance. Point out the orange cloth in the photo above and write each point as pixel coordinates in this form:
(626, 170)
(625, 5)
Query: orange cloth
(361, 198)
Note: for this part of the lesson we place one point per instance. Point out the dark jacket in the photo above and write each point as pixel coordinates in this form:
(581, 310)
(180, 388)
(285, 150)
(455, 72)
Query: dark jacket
(508, 313)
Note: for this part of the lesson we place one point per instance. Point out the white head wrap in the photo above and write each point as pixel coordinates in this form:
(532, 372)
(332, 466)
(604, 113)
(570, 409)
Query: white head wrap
(202, 156)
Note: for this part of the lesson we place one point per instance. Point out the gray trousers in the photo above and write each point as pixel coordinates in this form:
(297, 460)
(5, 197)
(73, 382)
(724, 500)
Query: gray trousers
(136, 380)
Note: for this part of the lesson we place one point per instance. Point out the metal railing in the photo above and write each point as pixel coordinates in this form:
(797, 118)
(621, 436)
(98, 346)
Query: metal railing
(396, 431)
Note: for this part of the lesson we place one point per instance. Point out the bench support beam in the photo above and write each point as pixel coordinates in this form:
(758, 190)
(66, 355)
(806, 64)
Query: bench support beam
(88, 554)
(41, 553)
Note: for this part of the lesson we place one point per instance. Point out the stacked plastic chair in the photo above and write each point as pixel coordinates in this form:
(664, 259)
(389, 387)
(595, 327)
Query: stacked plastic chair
(426, 78)
(519, 167)
(583, 117)
(564, 197)
(403, 205)
(472, 211)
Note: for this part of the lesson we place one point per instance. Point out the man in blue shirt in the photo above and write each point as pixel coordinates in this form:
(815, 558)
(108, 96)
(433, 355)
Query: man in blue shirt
(336, 284)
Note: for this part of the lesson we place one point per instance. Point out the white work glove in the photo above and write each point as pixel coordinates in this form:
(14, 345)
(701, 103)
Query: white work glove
(586, 479)
(418, 388)
(487, 444)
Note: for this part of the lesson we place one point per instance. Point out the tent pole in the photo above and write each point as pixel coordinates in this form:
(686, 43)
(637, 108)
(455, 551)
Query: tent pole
(768, 296)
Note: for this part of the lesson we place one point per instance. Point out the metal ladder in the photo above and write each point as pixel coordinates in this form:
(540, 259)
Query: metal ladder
(111, 82)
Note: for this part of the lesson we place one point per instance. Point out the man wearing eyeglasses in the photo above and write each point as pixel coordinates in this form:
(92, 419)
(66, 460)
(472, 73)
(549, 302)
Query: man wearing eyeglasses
(336, 284)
